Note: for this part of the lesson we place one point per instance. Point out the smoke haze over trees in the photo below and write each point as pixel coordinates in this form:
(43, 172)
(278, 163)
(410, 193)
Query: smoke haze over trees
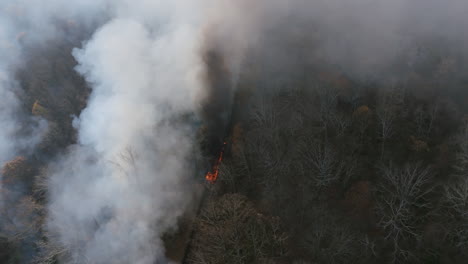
(345, 123)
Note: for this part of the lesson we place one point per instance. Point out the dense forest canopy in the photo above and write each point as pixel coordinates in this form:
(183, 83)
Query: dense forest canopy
(203, 131)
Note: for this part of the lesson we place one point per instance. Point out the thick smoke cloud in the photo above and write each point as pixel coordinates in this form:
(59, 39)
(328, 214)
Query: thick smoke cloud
(12, 141)
(151, 64)
(362, 38)
(16, 137)
(227, 33)
(126, 182)
(25, 25)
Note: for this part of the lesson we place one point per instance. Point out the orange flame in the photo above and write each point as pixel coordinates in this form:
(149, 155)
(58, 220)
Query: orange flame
(212, 175)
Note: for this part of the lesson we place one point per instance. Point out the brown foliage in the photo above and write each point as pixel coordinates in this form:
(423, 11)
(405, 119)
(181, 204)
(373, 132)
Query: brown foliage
(419, 145)
(38, 109)
(359, 198)
(21, 220)
(335, 79)
(16, 170)
(361, 111)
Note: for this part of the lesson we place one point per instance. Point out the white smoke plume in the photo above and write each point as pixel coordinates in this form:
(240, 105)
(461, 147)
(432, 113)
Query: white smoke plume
(24, 25)
(126, 183)
(13, 139)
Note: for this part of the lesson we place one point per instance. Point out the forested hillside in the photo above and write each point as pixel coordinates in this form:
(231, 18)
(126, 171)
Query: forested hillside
(330, 169)
(218, 132)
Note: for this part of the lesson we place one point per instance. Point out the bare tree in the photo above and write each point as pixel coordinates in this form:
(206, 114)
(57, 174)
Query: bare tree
(263, 143)
(402, 191)
(361, 119)
(456, 194)
(50, 251)
(410, 183)
(341, 123)
(20, 217)
(398, 220)
(461, 165)
(230, 230)
(264, 116)
(328, 98)
(324, 165)
(228, 175)
(420, 121)
(385, 117)
(433, 112)
(127, 163)
(456, 201)
(41, 184)
(369, 244)
(265, 154)
(425, 118)
(328, 240)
